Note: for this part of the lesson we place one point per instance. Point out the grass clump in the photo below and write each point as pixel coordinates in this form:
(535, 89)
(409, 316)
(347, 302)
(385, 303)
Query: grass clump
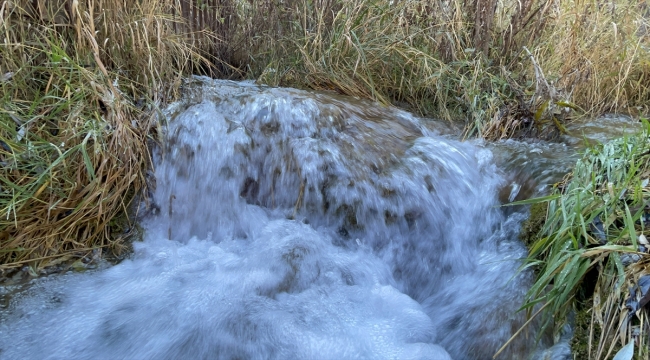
(593, 244)
(80, 83)
(505, 68)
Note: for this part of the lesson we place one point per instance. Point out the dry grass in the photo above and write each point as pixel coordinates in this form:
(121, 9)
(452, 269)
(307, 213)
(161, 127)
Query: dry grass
(81, 80)
(506, 68)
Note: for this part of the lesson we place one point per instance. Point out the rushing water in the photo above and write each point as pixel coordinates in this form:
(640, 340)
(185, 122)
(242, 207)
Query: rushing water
(295, 225)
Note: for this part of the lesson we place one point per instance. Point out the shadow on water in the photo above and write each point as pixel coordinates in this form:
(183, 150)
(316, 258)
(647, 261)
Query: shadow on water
(301, 225)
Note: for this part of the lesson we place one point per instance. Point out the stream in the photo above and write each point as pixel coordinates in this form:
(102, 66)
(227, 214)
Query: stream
(288, 224)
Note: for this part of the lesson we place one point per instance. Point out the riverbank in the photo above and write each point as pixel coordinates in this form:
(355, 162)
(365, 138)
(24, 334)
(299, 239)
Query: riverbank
(83, 81)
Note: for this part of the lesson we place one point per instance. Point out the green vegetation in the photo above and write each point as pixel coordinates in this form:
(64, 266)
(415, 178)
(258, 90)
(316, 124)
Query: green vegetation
(597, 220)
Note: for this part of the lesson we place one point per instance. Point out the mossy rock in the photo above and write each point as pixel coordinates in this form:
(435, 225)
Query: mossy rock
(580, 341)
(531, 227)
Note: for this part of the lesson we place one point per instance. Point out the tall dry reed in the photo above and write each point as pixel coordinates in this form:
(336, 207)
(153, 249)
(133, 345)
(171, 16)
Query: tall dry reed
(80, 84)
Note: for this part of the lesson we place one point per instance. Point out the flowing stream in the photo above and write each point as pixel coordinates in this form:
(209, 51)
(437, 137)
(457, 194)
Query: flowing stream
(297, 225)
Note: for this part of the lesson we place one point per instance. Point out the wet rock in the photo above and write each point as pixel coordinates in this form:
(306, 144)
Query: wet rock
(597, 229)
(639, 295)
(629, 259)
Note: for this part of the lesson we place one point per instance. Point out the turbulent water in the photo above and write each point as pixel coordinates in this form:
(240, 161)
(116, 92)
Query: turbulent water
(297, 225)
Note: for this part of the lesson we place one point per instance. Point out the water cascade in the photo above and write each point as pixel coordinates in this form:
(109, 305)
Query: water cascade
(298, 225)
